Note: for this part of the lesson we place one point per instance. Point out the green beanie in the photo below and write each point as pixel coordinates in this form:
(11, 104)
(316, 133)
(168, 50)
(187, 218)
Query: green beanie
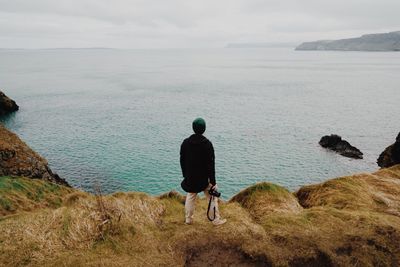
(199, 126)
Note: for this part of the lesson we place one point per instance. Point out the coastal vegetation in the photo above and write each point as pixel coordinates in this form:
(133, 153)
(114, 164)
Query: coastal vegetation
(24, 194)
(353, 220)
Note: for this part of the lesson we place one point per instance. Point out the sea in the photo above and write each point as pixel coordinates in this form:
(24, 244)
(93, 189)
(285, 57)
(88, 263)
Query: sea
(116, 118)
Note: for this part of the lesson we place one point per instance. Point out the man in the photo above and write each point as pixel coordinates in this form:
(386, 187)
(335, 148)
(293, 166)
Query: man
(198, 169)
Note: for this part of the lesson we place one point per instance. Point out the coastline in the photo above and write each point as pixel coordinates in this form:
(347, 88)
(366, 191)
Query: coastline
(343, 221)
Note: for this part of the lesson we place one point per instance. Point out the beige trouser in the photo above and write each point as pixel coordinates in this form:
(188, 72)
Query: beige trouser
(190, 204)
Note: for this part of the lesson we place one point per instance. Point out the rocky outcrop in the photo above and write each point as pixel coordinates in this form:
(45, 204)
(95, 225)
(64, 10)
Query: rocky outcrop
(18, 159)
(391, 155)
(369, 42)
(7, 105)
(336, 143)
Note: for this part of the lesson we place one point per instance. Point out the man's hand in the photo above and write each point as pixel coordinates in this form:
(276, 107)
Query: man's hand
(214, 187)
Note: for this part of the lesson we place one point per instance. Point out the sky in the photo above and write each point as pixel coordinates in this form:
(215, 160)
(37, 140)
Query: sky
(188, 23)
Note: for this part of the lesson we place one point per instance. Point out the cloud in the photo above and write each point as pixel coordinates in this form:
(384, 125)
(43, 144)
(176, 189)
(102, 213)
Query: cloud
(186, 23)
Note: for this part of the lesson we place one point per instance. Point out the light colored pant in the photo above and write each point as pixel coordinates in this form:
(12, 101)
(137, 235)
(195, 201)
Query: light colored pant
(190, 204)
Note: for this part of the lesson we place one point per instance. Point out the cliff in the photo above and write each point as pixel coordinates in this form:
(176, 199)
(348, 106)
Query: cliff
(352, 220)
(18, 159)
(391, 155)
(369, 42)
(7, 105)
(346, 221)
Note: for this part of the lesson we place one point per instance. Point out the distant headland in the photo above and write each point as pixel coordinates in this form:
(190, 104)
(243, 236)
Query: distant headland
(368, 42)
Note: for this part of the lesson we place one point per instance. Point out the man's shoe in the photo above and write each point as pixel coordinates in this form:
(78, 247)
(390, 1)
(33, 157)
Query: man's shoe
(219, 221)
(188, 221)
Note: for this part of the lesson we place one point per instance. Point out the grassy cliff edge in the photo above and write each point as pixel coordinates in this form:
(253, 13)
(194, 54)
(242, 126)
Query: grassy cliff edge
(352, 220)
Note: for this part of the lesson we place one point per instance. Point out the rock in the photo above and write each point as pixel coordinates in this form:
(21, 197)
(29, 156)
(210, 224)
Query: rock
(7, 105)
(336, 143)
(18, 159)
(391, 155)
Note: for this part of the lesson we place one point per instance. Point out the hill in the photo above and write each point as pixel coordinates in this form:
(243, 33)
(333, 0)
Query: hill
(352, 220)
(369, 42)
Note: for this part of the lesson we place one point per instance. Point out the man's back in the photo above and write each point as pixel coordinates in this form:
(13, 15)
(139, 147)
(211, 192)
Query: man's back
(197, 163)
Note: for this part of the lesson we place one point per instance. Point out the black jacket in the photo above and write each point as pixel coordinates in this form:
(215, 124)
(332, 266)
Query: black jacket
(197, 163)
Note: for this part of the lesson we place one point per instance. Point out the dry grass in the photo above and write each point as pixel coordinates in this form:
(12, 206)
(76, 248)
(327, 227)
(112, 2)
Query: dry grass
(263, 199)
(346, 221)
(379, 191)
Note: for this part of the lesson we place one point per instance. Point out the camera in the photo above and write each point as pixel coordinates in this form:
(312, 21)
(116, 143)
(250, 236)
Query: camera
(214, 193)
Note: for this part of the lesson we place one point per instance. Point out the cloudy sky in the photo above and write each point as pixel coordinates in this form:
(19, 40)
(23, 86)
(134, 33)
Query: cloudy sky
(187, 23)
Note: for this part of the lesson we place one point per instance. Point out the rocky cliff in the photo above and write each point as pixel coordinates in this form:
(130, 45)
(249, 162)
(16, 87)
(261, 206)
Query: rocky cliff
(369, 42)
(391, 155)
(7, 105)
(18, 159)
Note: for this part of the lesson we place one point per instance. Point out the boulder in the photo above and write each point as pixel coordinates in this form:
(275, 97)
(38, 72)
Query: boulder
(336, 143)
(18, 159)
(391, 155)
(7, 105)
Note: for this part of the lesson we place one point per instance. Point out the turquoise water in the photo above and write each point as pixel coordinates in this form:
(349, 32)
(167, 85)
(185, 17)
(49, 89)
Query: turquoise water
(118, 117)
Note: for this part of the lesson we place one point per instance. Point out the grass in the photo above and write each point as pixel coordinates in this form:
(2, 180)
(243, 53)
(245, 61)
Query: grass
(377, 192)
(5, 204)
(264, 199)
(17, 194)
(349, 221)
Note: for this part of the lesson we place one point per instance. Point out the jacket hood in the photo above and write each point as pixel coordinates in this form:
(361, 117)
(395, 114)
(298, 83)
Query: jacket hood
(197, 139)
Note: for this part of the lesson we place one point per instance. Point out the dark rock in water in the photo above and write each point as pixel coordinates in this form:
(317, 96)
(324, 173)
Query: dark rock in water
(18, 159)
(334, 142)
(391, 155)
(7, 105)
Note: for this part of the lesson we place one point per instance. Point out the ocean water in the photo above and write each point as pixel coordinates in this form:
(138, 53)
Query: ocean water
(117, 117)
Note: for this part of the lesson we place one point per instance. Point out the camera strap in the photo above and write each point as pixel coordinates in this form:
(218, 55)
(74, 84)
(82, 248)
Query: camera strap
(208, 209)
